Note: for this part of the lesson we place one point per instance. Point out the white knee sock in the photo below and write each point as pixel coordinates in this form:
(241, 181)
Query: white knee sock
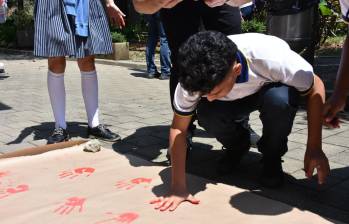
(89, 86)
(56, 91)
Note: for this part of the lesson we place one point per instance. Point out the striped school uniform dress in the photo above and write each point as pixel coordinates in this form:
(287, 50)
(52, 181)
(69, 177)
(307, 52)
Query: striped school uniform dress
(55, 31)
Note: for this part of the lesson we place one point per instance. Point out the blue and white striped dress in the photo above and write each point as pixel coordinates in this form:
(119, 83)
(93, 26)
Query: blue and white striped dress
(55, 33)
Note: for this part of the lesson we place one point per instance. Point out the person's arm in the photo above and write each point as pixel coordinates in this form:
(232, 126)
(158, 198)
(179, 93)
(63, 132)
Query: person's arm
(152, 6)
(314, 157)
(116, 16)
(235, 3)
(337, 101)
(178, 147)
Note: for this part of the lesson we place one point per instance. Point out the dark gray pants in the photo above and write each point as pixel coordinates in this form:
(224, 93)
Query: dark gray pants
(277, 105)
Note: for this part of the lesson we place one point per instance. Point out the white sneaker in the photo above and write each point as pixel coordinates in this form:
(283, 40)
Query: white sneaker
(2, 67)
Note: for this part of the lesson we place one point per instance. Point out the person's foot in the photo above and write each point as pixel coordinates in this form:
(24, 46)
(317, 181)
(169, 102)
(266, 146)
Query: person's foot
(164, 76)
(154, 75)
(272, 173)
(103, 133)
(230, 159)
(58, 135)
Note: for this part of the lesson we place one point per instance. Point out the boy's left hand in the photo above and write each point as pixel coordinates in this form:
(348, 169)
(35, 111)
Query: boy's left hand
(116, 16)
(316, 159)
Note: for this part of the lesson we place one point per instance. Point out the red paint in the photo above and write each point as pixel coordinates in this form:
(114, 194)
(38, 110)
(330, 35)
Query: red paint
(125, 218)
(3, 174)
(132, 183)
(76, 172)
(70, 205)
(10, 191)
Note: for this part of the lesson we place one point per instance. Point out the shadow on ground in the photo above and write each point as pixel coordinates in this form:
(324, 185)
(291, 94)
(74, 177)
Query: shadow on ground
(4, 107)
(150, 143)
(44, 130)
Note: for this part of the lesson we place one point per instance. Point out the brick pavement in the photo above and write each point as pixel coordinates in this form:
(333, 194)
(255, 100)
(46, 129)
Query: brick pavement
(138, 109)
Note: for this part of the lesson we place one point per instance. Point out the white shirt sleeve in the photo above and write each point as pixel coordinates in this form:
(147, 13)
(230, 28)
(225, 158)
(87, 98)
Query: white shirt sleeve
(184, 103)
(281, 64)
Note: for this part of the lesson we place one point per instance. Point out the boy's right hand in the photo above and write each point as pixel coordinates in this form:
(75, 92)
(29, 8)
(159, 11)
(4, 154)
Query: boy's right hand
(172, 201)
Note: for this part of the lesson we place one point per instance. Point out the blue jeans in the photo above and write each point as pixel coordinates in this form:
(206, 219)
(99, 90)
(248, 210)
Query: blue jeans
(277, 105)
(155, 32)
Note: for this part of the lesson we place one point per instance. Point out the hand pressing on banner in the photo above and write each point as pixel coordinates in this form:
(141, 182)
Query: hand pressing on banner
(171, 202)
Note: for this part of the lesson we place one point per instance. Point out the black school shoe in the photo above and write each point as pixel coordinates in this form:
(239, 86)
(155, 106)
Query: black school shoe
(272, 173)
(58, 135)
(103, 133)
(230, 159)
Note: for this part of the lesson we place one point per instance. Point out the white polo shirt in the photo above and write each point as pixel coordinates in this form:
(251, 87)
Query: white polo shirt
(345, 10)
(269, 59)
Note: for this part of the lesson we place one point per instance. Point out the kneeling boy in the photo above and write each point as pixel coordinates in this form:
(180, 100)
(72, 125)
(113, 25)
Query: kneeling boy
(227, 78)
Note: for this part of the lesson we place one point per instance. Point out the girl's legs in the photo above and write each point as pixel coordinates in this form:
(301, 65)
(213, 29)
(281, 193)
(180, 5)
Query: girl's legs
(89, 85)
(56, 90)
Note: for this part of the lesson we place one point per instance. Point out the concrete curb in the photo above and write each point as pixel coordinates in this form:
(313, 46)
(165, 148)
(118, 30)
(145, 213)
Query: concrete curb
(123, 63)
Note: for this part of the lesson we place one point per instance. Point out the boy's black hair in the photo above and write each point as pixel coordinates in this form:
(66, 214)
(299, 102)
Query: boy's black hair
(204, 60)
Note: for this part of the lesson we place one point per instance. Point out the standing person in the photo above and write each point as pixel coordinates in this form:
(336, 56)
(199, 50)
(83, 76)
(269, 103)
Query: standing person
(225, 78)
(80, 29)
(156, 31)
(338, 98)
(3, 15)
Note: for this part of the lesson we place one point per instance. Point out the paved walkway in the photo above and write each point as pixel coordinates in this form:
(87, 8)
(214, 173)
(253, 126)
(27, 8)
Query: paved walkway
(139, 109)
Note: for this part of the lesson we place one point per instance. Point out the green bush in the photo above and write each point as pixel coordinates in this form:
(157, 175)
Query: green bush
(253, 26)
(118, 37)
(24, 19)
(7, 32)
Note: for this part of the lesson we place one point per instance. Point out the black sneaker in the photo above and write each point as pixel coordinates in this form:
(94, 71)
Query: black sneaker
(154, 75)
(272, 174)
(103, 133)
(58, 135)
(164, 76)
(230, 159)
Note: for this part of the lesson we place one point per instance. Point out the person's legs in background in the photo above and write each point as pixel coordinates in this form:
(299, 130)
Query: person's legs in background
(165, 52)
(153, 35)
(89, 86)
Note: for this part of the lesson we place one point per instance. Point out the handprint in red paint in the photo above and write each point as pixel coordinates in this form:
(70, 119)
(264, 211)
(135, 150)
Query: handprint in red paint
(11, 191)
(125, 218)
(132, 183)
(3, 174)
(70, 205)
(76, 172)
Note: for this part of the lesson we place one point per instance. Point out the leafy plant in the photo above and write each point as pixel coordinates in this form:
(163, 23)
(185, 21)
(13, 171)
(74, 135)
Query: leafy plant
(24, 19)
(118, 37)
(254, 26)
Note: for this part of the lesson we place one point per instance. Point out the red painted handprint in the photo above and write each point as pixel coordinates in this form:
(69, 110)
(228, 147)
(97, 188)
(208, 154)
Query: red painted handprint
(70, 205)
(126, 218)
(76, 172)
(11, 191)
(132, 183)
